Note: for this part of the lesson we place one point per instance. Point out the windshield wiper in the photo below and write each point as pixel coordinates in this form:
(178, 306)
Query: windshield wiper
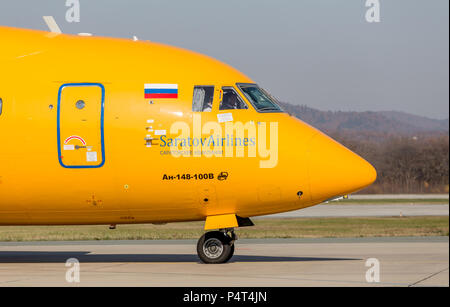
(268, 108)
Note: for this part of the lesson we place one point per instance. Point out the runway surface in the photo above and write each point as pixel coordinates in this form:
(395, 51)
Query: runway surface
(327, 210)
(273, 262)
(399, 196)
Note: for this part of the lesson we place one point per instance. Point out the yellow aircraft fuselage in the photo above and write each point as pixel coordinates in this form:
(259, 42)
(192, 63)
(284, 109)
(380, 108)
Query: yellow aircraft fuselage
(82, 143)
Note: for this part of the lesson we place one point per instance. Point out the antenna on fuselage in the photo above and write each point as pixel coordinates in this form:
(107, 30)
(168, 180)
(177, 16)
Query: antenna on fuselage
(52, 25)
(55, 29)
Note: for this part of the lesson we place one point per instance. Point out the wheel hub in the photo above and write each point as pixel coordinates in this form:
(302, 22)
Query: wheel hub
(213, 248)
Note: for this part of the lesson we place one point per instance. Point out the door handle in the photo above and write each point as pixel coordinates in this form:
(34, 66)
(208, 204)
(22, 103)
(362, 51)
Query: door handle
(81, 147)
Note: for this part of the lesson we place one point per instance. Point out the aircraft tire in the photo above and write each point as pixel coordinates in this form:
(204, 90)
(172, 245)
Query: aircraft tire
(231, 254)
(215, 247)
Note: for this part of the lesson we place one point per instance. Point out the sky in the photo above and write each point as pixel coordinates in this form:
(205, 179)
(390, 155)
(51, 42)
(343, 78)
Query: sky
(320, 53)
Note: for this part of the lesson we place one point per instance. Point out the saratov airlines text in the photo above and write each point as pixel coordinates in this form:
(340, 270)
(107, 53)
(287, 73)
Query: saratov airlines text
(236, 140)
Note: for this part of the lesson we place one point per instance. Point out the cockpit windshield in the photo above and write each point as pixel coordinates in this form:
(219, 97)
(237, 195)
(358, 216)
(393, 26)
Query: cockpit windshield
(260, 99)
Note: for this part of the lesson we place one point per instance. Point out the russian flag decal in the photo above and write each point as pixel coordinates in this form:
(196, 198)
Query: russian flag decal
(153, 91)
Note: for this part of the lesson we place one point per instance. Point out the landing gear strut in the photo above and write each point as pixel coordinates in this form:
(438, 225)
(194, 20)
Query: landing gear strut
(216, 246)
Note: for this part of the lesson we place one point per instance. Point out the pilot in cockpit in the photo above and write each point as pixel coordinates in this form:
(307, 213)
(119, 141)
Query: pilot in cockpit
(231, 101)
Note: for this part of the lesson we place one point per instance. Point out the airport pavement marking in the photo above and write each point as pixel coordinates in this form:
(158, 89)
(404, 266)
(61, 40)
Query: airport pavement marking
(427, 278)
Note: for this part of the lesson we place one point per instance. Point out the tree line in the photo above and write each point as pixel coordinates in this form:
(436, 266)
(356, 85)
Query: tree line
(405, 164)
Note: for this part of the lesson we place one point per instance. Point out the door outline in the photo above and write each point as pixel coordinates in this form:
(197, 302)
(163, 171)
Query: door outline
(102, 121)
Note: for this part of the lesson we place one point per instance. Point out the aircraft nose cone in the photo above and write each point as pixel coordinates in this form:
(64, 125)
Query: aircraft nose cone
(334, 170)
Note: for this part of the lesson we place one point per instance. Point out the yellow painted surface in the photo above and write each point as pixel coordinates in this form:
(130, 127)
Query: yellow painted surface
(221, 221)
(35, 188)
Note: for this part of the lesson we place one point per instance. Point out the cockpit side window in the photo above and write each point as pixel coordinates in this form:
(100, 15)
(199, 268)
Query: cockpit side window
(231, 100)
(259, 98)
(203, 98)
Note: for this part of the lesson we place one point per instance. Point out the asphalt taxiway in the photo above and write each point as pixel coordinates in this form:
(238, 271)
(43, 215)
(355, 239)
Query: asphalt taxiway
(388, 210)
(389, 206)
(271, 262)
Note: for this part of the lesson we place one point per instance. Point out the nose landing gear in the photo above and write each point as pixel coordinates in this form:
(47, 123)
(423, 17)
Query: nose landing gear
(216, 246)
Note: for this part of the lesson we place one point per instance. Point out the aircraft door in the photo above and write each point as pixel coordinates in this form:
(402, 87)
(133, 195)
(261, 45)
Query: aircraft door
(81, 125)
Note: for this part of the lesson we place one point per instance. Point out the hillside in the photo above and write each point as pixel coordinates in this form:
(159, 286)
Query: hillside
(387, 122)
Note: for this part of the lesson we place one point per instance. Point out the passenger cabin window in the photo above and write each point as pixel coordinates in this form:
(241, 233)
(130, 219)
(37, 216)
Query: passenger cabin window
(231, 100)
(1, 106)
(260, 99)
(203, 98)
